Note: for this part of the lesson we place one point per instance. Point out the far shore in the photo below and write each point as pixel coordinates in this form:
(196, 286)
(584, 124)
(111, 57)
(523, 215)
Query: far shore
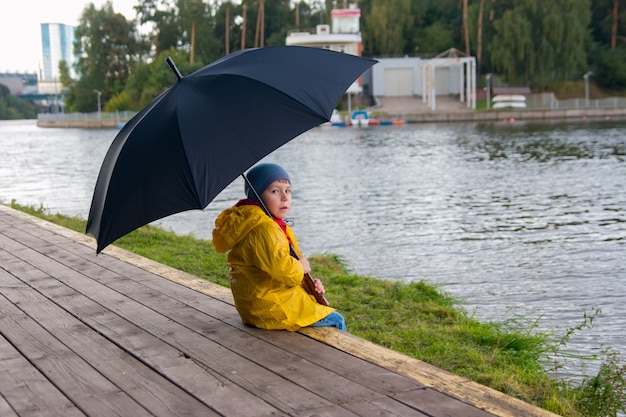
(408, 115)
(515, 115)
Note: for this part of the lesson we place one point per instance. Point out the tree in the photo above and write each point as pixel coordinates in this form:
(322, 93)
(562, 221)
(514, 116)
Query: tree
(163, 16)
(479, 34)
(435, 38)
(609, 22)
(466, 36)
(388, 23)
(538, 42)
(109, 50)
(610, 68)
(14, 108)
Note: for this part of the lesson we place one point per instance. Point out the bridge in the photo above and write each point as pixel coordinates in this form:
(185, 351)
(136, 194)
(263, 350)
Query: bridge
(41, 97)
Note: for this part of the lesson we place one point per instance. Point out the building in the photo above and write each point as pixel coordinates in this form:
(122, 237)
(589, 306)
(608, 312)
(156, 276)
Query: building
(344, 36)
(451, 73)
(19, 83)
(57, 43)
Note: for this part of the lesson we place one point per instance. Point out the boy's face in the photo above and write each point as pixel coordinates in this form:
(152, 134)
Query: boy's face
(277, 198)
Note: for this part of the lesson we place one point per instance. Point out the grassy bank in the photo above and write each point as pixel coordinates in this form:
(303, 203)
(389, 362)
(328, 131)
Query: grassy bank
(419, 320)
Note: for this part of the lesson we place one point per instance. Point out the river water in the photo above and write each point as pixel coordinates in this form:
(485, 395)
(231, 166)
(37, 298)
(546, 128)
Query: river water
(514, 219)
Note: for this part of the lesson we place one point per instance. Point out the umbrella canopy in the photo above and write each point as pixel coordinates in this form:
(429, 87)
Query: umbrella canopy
(194, 139)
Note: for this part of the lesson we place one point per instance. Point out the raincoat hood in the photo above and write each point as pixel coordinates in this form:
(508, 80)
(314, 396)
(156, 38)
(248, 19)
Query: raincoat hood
(234, 224)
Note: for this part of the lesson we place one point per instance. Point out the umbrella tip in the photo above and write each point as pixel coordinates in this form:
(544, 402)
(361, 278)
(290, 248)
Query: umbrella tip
(172, 65)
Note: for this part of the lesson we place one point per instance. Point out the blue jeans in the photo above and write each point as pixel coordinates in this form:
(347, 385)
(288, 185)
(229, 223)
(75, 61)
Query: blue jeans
(334, 319)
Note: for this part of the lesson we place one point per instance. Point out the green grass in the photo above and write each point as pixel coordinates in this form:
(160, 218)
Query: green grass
(420, 320)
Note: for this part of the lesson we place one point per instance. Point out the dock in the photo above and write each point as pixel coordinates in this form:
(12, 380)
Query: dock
(414, 110)
(116, 334)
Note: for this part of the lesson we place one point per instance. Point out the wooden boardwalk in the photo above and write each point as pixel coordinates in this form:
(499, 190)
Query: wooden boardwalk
(119, 335)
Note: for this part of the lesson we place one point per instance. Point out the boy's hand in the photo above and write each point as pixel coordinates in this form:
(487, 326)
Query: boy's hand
(305, 265)
(319, 287)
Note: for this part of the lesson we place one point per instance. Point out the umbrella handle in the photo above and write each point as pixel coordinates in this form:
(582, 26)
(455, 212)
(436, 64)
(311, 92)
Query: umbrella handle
(174, 68)
(309, 283)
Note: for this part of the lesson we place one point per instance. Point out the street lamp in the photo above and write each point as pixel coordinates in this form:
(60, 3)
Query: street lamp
(586, 78)
(99, 94)
(488, 77)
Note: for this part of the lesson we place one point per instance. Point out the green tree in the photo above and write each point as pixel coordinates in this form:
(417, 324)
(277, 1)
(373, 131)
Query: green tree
(435, 38)
(608, 25)
(537, 42)
(109, 49)
(149, 80)
(210, 39)
(118, 102)
(388, 24)
(14, 108)
(610, 68)
(163, 35)
(64, 75)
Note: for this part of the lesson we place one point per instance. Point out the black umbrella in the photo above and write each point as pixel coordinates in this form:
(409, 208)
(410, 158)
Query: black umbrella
(194, 139)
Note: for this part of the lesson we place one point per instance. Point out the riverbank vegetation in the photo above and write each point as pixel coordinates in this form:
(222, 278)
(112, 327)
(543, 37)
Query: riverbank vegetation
(420, 320)
(14, 108)
(542, 45)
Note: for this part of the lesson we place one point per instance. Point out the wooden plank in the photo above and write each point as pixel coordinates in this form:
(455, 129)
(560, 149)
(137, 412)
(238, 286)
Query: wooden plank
(472, 393)
(25, 391)
(82, 385)
(5, 409)
(436, 404)
(385, 406)
(191, 375)
(158, 395)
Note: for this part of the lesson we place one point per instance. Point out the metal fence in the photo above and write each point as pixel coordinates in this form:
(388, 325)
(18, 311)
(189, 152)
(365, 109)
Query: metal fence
(549, 101)
(118, 116)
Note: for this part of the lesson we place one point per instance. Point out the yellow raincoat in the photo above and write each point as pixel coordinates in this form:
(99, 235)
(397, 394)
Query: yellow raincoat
(266, 281)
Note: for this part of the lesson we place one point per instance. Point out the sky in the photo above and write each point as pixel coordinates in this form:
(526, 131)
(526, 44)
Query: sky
(20, 27)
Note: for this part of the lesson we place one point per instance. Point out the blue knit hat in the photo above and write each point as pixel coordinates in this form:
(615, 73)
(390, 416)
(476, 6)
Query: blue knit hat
(261, 176)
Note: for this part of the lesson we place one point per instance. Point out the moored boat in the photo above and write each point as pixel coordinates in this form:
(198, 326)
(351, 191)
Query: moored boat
(360, 118)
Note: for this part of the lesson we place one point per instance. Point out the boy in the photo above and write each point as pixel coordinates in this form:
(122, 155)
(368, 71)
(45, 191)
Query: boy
(266, 281)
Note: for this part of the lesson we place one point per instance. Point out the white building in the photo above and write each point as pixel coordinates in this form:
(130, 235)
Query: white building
(57, 42)
(344, 36)
(451, 73)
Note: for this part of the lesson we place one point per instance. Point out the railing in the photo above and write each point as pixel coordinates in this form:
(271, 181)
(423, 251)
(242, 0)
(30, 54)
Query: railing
(549, 101)
(118, 117)
(85, 120)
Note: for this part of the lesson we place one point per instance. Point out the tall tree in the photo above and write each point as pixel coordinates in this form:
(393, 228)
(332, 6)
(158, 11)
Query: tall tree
(388, 24)
(608, 25)
(108, 49)
(615, 25)
(537, 41)
(466, 36)
(190, 14)
(479, 34)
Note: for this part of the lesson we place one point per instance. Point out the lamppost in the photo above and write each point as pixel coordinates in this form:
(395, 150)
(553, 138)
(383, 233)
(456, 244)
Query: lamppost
(488, 77)
(99, 94)
(586, 78)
